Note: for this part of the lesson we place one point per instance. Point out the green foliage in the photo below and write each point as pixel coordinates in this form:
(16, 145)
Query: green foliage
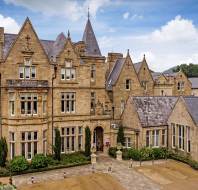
(57, 145)
(18, 164)
(39, 161)
(120, 136)
(134, 154)
(3, 151)
(7, 187)
(112, 152)
(87, 141)
(73, 158)
(190, 70)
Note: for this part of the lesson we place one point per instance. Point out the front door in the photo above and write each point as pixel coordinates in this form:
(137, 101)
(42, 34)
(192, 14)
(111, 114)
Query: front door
(98, 138)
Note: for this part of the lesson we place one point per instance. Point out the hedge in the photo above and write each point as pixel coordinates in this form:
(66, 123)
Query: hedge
(151, 154)
(40, 163)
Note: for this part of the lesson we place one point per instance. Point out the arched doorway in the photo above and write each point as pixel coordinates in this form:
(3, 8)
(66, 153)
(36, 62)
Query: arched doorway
(98, 138)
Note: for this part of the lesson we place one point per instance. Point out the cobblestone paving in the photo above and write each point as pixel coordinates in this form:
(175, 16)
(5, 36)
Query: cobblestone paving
(128, 177)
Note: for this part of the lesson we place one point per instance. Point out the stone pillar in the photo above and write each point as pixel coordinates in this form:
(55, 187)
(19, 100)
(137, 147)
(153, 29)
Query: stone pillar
(93, 158)
(119, 155)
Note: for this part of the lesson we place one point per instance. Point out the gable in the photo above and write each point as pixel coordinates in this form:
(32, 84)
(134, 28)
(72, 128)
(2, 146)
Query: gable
(26, 43)
(180, 114)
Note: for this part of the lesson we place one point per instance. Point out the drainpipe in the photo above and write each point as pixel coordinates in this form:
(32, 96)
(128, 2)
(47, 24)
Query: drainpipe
(53, 77)
(1, 130)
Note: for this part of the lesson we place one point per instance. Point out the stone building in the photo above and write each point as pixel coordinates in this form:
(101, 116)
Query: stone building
(194, 82)
(48, 84)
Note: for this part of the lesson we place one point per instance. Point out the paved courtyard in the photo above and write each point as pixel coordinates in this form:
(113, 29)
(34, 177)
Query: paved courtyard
(163, 175)
(129, 178)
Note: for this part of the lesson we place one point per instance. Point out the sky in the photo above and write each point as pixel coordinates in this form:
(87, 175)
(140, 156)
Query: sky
(166, 31)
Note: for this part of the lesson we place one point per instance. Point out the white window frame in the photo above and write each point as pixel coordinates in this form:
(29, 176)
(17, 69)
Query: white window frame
(68, 100)
(127, 142)
(12, 144)
(26, 142)
(181, 137)
(12, 104)
(188, 139)
(155, 137)
(173, 128)
(148, 137)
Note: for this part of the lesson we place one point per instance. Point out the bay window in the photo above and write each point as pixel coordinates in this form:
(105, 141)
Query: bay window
(29, 143)
(29, 103)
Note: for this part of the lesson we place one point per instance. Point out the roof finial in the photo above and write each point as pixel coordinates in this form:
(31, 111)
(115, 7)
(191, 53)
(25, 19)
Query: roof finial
(88, 15)
(68, 34)
(127, 52)
(144, 57)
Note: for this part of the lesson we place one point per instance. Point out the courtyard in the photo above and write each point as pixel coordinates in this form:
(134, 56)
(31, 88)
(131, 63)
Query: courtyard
(165, 175)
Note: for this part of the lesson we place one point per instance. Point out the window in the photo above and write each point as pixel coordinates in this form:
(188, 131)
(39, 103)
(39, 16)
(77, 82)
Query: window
(173, 135)
(127, 142)
(93, 101)
(68, 73)
(29, 103)
(163, 137)
(68, 102)
(144, 85)
(29, 143)
(27, 71)
(12, 145)
(188, 139)
(93, 72)
(44, 104)
(128, 84)
(12, 104)
(155, 138)
(45, 142)
(69, 136)
(180, 85)
(147, 138)
(181, 136)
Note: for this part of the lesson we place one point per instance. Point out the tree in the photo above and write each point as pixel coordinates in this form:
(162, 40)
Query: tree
(3, 151)
(120, 136)
(57, 145)
(87, 141)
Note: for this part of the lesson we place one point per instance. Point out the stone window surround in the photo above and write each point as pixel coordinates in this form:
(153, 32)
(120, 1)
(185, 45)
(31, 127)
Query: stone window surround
(68, 102)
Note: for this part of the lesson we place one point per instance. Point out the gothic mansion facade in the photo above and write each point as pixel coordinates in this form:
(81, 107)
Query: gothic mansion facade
(69, 85)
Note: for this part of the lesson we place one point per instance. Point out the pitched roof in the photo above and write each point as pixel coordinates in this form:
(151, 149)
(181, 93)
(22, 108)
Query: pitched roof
(156, 75)
(192, 106)
(115, 72)
(194, 82)
(154, 111)
(92, 48)
(52, 48)
(138, 66)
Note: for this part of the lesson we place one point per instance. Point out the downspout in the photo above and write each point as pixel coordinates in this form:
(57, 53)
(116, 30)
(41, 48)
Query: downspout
(1, 130)
(53, 77)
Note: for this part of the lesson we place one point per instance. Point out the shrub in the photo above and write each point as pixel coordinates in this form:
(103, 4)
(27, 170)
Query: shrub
(146, 153)
(39, 161)
(73, 158)
(18, 164)
(159, 153)
(87, 142)
(112, 152)
(3, 151)
(125, 154)
(134, 154)
(51, 161)
(57, 145)
(120, 136)
(4, 172)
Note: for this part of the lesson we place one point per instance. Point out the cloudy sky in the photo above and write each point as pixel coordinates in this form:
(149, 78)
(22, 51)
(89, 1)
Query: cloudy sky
(166, 31)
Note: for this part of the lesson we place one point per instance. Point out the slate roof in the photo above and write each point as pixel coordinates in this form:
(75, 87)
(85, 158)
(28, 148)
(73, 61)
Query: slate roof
(92, 48)
(10, 38)
(138, 66)
(154, 111)
(194, 82)
(115, 72)
(156, 75)
(192, 106)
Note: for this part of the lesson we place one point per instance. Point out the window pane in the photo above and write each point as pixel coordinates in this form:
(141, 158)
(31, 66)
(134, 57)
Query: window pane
(62, 74)
(33, 72)
(35, 107)
(23, 149)
(68, 71)
(21, 72)
(27, 72)
(29, 107)
(73, 73)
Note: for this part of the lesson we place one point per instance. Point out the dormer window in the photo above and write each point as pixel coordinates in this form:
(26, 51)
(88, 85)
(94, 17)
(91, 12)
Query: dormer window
(27, 71)
(68, 73)
(180, 86)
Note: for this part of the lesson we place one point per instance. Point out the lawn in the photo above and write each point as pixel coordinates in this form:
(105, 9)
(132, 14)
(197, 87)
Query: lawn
(96, 181)
(172, 176)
